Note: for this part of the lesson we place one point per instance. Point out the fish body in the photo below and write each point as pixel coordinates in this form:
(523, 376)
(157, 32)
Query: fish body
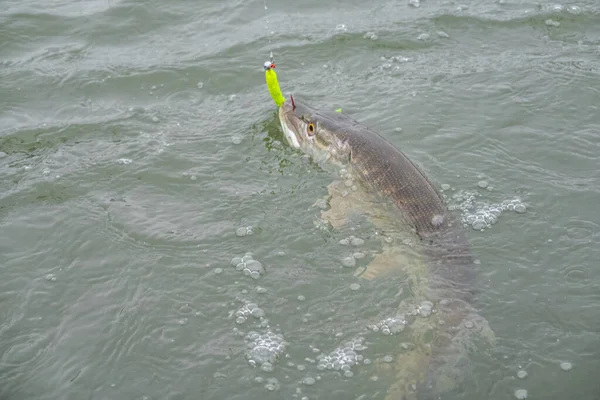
(331, 137)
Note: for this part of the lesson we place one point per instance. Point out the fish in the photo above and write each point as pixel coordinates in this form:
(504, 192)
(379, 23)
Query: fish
(336, 139)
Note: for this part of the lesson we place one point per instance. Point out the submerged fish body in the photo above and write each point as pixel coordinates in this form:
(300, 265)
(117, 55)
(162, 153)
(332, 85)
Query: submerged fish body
(387, 172)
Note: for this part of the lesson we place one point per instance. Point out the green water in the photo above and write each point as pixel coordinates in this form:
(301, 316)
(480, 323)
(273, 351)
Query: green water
(136, 138)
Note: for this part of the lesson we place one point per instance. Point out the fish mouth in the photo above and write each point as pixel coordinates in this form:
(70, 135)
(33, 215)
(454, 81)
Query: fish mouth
(289, 123)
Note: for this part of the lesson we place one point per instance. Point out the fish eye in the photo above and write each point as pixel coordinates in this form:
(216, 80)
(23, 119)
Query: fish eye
(310, 129)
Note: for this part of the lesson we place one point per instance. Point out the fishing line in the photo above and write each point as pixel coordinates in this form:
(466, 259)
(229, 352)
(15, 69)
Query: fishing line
(269, 66)
(269, 33)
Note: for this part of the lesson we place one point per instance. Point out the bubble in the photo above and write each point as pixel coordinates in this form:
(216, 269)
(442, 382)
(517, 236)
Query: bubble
(186, 309)
(348, 374)
(482, 184)
(374, 378)
(51, 277)
(358, 255)
(414, 3)
(308, 381)
(388, 359)
(259, 379)
(301, 367)
(266, 367)
(468, 324)
(425, 309)
(244, 231)
(437, 220)
(218, 270)
(345, 357)
(566, 366)
(551, 22)
(443, 34)
(261, 290)
(356, 241)
(250, 267)
(200, 85)
(301, 298)
(236, 139)
(348, 262)
(258, 313)
(478, 224)
(344, 242)
(124, 161)
(521, 394)
(522, 374)
(445, 187)
(272, 384)
(370, 35)
(236, 260)
(240, 320)
(354, 286)
(341, 27)
(520, 208)
(423, 36)
(390, 326)
(266, 347)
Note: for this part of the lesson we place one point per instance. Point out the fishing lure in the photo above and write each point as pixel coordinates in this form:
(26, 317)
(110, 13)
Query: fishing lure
(273, 84)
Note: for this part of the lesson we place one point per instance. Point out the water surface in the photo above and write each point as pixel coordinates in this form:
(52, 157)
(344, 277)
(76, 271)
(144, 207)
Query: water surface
(136, 138)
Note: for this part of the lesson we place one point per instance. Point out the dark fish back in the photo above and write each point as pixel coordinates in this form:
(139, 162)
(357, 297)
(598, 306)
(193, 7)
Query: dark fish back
(390, 173)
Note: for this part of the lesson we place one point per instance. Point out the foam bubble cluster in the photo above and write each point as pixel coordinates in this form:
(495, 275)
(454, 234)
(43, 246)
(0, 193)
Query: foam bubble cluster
(244, 231)
(480, 215)
(425, 309)
(251, 309)
(390, 326)
(248, 265)
(342, 358)
(264, 349)
(521, 394)
(352, 240)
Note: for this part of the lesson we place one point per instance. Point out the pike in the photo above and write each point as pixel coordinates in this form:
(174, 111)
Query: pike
(386, 173)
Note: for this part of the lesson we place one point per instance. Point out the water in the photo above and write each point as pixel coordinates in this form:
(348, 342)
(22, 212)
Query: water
(138, 141)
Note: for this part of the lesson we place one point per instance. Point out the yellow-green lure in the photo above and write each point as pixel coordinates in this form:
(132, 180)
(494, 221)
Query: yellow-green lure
(272, 84)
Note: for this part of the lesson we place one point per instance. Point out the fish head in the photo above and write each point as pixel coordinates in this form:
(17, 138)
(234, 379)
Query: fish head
(315, 133)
